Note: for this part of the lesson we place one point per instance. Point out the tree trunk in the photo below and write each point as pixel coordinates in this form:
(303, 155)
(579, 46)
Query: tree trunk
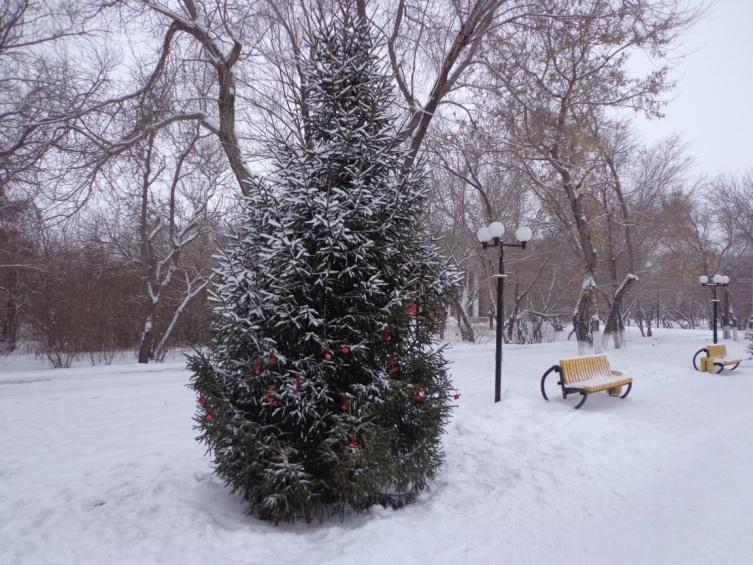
(585, 307)
(639, 323)
(9, 338)
(466, 330)
(582, 316)
(146, 345)
(615, 327)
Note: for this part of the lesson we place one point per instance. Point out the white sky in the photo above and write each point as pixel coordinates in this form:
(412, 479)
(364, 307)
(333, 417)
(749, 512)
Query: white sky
(712, 105)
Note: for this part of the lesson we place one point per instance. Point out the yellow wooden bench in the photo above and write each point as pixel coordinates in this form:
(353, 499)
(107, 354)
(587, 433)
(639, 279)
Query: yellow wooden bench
(714, 360)
(584, 375)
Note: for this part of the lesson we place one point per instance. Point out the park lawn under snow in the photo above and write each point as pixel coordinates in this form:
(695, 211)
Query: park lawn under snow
(98, 465)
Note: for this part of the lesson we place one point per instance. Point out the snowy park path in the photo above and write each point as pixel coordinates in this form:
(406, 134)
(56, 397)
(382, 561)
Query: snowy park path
(99, 466)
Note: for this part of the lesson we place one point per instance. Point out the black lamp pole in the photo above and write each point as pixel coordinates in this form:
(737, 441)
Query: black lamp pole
(718, 281)
(500, 322)
(715, 302)
(497, 242)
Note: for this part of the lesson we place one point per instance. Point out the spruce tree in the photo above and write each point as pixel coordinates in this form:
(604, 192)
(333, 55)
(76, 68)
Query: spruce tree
(322, 390)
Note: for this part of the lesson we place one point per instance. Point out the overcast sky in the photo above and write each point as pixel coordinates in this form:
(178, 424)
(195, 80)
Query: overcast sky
(712, 106)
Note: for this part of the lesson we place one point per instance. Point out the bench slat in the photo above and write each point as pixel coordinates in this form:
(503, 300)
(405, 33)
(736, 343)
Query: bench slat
(591, 374)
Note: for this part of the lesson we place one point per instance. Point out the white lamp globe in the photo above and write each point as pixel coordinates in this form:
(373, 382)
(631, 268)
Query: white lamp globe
(523, 234)
(496, 229)
(717, 278)
(725, 279)
(703, 279)
(484, 235)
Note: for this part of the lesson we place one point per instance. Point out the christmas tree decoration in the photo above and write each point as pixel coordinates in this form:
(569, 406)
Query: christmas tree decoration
(272, 361)
(418, 396)
(387, 335)
(202, 398)
(330, 249)
(411, 309)
(269, 398)
(456, 394)
(209, 417)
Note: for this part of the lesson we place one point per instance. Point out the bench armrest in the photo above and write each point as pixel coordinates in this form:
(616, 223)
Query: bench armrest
(618, 373)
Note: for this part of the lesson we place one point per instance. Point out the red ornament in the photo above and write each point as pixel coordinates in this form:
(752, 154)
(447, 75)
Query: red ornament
(328, 355)
(418, 396)
(344, 405)
(202, 398)
(392, 367)
(269, 400)
(412, 309)
(353, 444)
(209, 417)
(345, 350)
(272, 360)
(258, 365)
(456, 396)
(388, 335)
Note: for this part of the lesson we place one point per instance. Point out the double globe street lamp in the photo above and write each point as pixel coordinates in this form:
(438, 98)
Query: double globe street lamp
(491, 236)
(717, 280)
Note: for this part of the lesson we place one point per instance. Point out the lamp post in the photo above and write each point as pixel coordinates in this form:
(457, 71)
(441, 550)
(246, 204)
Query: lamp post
(491, 236)
(717, 280)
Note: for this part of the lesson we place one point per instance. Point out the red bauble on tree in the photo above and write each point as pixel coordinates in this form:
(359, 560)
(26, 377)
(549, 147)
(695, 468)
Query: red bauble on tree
(412, 309)
(344, 405)
(345, 351)
(202, 398)
(209, 417)
(257, 367)
(392, 367)
(387, 335)
(328, 355)
(272, 361)
(269, 399)
(353, 443)
(418, 396)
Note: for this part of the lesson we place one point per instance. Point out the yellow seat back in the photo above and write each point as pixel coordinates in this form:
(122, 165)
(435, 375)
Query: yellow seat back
(583, 368)
(717, 350)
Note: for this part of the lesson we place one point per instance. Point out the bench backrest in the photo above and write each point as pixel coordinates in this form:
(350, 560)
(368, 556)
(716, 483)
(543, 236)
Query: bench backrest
(583, 368)
(718, 350)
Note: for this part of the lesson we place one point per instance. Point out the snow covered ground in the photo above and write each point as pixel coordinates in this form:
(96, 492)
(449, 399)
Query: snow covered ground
(98, 465)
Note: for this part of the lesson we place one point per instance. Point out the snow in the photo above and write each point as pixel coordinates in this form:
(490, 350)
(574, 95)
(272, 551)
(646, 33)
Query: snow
(99, 465)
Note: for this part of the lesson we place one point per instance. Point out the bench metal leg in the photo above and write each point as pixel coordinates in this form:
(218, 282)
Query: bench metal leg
(543, 378)
(696, 359)
(629, 386)
(584, 394)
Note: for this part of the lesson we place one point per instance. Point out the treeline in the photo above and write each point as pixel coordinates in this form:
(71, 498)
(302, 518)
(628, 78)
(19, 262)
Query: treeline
(120, 171)
(681, 225)
(72, 297)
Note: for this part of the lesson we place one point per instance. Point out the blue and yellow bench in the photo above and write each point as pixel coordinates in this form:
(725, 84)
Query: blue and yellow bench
(586, 375)
(713, 359)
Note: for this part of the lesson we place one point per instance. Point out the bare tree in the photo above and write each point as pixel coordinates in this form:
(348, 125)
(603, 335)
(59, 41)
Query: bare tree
(163, 224)
(566, 68)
